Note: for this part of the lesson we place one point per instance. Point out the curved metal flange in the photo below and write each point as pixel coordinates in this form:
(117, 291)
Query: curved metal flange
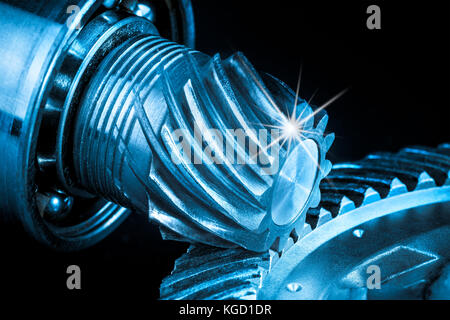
(356, 237)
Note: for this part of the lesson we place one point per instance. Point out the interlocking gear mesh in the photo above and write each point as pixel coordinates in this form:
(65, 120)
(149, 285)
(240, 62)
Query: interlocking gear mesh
(413, 182)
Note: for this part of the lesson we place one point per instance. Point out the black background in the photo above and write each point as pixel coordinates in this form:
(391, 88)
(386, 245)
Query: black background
(399, 80)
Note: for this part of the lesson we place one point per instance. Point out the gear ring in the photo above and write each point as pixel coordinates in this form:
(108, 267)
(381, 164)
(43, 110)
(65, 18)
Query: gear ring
(408, 191)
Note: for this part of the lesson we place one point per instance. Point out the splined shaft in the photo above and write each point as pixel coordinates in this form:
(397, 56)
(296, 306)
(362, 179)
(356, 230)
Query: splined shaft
(151, 96)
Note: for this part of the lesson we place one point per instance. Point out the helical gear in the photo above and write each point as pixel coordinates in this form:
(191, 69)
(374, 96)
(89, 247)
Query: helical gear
(378, 186)
(148, 88)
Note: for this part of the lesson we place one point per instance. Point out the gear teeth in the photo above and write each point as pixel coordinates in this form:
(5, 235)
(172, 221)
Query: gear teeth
(378, 176)
(371, 181)
(425, 181)
(315, 201)
(317, 217)
(324, 217)
(240, 271)
(290, 242)
(190, 232)
(438, 154)
(306, 229)
(436, 168)
(409, 176)
(328, 141)
(326, 167)
(345, 206)
(370, 196)
(273, 257)
(397, 187)
(300, 231)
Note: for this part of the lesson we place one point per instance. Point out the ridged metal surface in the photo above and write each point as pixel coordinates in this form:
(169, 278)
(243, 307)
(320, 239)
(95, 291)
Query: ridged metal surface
(124, 143)
(373, 183)
(240, 274)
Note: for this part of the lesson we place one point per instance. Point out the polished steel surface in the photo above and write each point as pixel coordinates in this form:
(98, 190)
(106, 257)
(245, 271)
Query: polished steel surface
(93, 95)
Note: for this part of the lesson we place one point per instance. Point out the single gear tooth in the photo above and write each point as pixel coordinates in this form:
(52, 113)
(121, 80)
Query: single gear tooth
(189, 232)
(168, 234)
(370, 196)
(289, 243)
(324, 217)
(196, 232)
(425, 181)
(300, 230)
(397, 187)
(315, 200)
(306, 229)
(329, 139)
(321, 126)
(274, 257)
(326, 167)
(346, 205)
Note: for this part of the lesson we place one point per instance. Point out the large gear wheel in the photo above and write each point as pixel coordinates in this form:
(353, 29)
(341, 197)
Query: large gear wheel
(387, 210)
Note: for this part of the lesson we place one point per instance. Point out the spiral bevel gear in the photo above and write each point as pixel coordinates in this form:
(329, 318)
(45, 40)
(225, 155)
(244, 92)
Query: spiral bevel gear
(381, 185)
(126, 140)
